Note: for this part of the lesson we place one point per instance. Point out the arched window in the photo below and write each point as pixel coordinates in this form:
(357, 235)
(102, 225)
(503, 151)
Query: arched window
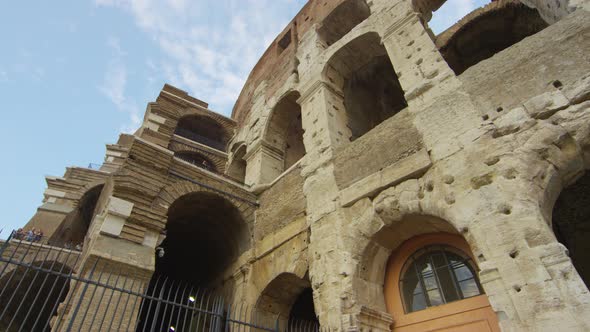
(435, 275)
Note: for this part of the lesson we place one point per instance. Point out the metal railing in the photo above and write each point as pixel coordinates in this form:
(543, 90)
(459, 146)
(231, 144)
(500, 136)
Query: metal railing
(200, 139)
(40, 290)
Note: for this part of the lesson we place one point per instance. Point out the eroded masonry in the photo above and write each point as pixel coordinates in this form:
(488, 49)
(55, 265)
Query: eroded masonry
(373, 176)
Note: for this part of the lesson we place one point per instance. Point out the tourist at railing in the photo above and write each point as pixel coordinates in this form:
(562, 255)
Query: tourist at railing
(36, 236)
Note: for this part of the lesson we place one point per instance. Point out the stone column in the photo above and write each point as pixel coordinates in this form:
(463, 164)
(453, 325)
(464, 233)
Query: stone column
(530, 282)
(263, 163)
(444, 113)
(113, 262)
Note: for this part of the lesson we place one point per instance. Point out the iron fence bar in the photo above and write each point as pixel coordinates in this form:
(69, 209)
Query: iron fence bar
(193, 301)
(106, 310)
(6, 243)
(138, 298)
(91, 298)
(166, 307)
(14, 271)
(157, 305)
(18, 286)
(143, 301)
(124, 308)
(84, 289)
(177, 316)
(50, 291)
(116, 306)
(63, 287)
(28, 290)
(227, 317)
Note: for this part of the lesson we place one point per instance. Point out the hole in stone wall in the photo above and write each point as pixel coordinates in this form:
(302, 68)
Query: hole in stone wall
(341, 20)
(557, 84)
(571, 224)
(285, 41)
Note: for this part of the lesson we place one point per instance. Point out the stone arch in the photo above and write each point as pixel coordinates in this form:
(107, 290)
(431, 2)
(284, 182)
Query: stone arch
(378, 246)
(236, 168)
(570, 223)
(172, 192)
(205, 235)
(487, 31)
(76, 224)
(284, 131)
(287, 297)
(203, 129)
(363, 73)
(342, 20)
(198, 159)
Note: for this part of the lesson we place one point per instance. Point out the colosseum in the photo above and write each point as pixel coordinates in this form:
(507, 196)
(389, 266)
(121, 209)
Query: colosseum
(373, 176)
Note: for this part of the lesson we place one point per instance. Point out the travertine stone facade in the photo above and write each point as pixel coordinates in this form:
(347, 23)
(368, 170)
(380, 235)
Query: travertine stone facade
(354, 133)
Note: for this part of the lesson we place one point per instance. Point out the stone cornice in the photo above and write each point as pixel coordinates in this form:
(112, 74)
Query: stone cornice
(399, 24)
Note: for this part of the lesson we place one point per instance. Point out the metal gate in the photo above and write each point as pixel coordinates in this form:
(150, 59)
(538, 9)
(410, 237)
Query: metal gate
(40, 290)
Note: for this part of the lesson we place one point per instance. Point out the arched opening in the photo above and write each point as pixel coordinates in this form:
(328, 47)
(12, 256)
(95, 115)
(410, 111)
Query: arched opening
(387, 283)
(196, 159)
(487, 31)
(75, 226)
(204, 130)
(364, 73)
(285, 131)
(205, 234)
(32, 295)
(237, 166)
(290, 299)
(343, 19)
(571, 224)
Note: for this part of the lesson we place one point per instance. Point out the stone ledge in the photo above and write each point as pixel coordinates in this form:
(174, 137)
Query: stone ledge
(411, 166)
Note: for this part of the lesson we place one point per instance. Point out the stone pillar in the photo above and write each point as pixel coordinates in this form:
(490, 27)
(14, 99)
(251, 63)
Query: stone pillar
(324, 121)
(263, 164)
(111, 261)
(530, 282)
(444, 113)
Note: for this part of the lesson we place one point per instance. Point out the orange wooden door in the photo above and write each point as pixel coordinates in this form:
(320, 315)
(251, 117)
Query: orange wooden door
(472, 314)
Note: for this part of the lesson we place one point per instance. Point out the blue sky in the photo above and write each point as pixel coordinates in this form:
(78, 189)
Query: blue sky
(74, 74)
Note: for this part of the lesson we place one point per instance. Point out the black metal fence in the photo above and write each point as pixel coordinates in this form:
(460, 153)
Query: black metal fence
(41, 290)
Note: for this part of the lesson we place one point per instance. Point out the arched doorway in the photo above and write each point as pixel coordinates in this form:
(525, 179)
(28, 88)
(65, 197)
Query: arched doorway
(29, 296)
(571, 224)
(205, 234)
(285, 131)
(365, 75)
(431, 283)
(74, 228)
(289, 299)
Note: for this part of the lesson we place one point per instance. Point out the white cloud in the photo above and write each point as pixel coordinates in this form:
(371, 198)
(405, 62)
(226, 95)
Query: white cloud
(114, 87)
(209, 47)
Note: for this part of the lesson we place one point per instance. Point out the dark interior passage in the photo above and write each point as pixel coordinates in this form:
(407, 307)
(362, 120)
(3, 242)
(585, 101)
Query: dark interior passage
(205, 234)
(303, 308)
(571, 224)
